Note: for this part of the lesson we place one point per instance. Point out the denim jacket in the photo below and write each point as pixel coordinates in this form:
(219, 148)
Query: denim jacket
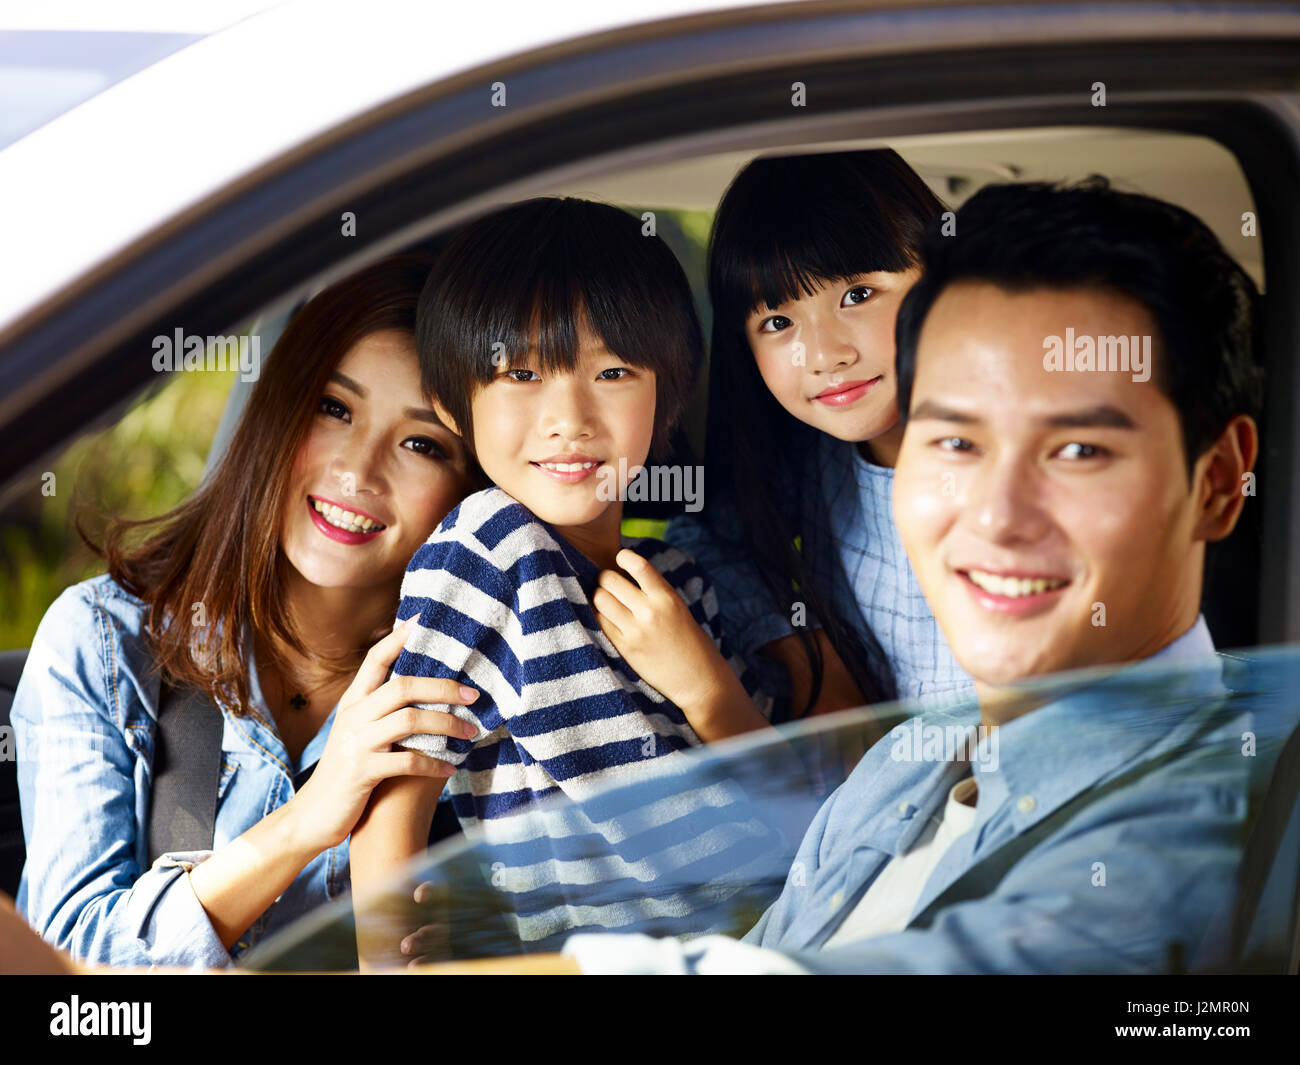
(84, 719)
(1168, 848)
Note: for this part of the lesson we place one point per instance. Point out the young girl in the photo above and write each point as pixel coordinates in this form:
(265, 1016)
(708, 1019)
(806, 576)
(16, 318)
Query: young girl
(561, 343)
(809, 260)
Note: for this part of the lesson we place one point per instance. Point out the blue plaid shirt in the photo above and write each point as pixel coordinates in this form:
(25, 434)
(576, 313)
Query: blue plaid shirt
(853, 552)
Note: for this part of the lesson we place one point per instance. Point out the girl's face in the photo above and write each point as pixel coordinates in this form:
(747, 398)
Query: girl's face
(564, 444)
(829, 358)
(376, 473)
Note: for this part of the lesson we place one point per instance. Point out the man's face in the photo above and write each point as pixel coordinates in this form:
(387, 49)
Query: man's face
(1046, 512)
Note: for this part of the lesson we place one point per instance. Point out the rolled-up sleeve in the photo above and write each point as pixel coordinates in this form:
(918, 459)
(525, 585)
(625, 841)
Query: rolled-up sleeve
(642, 955)
(81, 785)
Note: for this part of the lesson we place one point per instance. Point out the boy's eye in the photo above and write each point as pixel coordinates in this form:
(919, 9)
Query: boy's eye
(332, 408)
(775, 324)
(522, 375)
(423, 445)
(1078, 452)
(618, 372)
(856, 295)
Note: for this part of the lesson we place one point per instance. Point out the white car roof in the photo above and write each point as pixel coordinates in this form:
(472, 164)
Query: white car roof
(247, 83)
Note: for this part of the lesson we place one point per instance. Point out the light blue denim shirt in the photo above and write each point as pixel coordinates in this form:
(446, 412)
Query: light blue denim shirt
(1169, 849)
(852, 548)
(84, 719)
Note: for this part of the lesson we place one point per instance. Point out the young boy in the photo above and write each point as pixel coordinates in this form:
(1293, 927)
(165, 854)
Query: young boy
(561, 344)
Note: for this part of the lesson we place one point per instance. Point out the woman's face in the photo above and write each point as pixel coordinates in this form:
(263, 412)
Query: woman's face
(829, 358)
(376, 473)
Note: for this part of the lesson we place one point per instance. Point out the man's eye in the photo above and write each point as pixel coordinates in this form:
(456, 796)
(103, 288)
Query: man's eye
(1077, 451)
(775, 324)
(954, 443)
(423, 445)
(332, 407)
(856, 295)
(619, 373)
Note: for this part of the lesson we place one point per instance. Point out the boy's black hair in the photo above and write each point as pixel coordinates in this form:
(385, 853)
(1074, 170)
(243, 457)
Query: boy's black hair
(786, 227)
(1038, 235)
(530, 273)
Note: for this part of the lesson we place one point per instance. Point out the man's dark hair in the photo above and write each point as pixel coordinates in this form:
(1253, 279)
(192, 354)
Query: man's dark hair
(1038, 235)
(530, 274)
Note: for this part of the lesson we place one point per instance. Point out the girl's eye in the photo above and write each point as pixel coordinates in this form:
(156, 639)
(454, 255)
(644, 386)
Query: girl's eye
(332, 408)
(1078, 452)
(775, 324)
(522, 375)
(856, 295)
(423, 445)
(619, 372)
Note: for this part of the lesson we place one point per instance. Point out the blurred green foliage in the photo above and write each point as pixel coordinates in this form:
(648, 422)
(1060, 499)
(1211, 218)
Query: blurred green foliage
(153, 457)
(143, 466)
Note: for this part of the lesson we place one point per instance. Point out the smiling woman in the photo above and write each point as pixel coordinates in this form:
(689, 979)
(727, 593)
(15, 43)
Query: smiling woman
(255, 600)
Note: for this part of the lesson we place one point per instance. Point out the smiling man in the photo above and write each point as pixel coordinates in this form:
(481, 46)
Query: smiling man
(1057, 514)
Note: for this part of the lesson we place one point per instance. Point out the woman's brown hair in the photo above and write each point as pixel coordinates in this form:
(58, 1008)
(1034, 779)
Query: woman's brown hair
(212, 572)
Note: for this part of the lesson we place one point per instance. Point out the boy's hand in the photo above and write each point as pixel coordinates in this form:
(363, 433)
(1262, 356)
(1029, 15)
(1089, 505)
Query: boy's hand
(651, 626)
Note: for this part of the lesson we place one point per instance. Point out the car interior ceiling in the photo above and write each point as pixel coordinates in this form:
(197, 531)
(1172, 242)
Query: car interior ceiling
(1195, 172)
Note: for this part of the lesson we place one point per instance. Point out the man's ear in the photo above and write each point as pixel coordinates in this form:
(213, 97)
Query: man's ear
(1221, 478)
(446, 418)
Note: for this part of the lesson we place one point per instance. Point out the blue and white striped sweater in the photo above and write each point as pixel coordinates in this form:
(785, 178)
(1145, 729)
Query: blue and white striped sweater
(504, 606)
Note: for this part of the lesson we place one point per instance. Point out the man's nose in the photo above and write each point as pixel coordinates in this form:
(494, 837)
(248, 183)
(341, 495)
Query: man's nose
(1004, 502)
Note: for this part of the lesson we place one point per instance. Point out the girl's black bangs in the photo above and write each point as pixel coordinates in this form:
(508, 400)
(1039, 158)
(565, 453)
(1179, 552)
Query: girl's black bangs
(790, 259)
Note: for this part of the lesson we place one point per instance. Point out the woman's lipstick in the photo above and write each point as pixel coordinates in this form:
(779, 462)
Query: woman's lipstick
(341, 536)
(846, 393)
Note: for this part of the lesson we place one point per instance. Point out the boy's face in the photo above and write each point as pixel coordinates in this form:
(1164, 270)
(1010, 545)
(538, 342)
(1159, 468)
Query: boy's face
(829, 358)
(1046, 512)
(554, 440)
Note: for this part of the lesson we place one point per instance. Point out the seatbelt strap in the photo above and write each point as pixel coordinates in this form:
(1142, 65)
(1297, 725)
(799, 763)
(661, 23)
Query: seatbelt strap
(186, 773)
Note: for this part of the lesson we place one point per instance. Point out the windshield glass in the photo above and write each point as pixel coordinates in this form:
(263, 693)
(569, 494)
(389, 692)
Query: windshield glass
(1139, 814)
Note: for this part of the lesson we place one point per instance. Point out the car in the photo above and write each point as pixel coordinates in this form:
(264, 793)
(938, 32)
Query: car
(157, 190)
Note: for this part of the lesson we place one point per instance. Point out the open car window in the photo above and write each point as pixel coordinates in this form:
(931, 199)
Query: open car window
(1195, 765)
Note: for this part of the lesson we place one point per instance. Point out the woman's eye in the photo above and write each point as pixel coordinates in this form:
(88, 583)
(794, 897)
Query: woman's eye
(423, 445)
(332, 407)
(775, 324)
(618, 373)
(1077, 451)
(857, 294)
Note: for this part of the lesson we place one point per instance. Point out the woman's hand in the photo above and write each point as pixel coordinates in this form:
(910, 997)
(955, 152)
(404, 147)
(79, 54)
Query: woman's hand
(651, 626)
(372, 715)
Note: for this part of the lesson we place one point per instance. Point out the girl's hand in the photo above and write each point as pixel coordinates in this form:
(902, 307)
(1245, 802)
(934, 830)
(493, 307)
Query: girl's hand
(372, 715)
(651, 626)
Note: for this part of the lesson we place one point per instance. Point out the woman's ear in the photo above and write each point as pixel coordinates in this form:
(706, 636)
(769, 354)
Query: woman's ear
(446, 418)
(1225, 478)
